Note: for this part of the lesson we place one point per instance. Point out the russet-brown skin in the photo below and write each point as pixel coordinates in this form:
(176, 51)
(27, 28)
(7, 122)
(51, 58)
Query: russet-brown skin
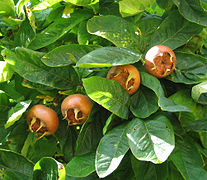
(78, 102)
(47, 115)
(127, 76)
(160, 61)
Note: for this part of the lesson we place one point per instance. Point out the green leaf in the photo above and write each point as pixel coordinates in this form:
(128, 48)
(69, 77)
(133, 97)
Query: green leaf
(45, 4)
(58, 28)
(174, 31)
(107, 57)
(37, 72)
(6, 71)
(187, 159)
(168, 105)
(46, 168)
(90, 133)
(81, 166)
(151, 140)
(198, 126)
(7, 8)
(66, 54)
(115, 29)
(149, 170)
(144, 102)
(4, 101)
(111, 150)
(16, 112)
(192, 10)
(15, 165)
(199, 93)
(83, 35)
(25, 34)
(81, 2)
(190, 68)
(132, 7)
(108, 93)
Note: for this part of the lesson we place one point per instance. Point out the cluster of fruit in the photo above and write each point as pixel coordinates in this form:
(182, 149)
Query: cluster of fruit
(160, 61)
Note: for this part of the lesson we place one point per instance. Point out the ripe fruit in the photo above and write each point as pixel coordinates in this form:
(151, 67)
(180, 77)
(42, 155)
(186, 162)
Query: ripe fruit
(76, 108)
(127, 76)
(43, 120)
(160, 61)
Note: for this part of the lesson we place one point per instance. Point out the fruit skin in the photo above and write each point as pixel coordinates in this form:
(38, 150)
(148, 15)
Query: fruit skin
(160, 61)
(47, 115)
(76, 108)
(127, 76)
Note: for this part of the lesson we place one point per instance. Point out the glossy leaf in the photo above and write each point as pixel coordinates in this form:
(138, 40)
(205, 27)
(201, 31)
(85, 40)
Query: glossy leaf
(132, 7)
(190, 68)
(198, 126)
(7, 8)
(57, 29)
(108, 56)
(174, 31)
(192, 10)
(115, 29)
(66, 55)
(15, 165)
(81, 166)
(44, 5)
(111, 150)
(149, 170)
(28, 65)
(81, 2)
(187, 159)
(25, 34)
(46, 168)
(108, 93)
(199, 93)
(144, 103)
(6, 71)
(4, 101)
(151, 140)
(16, 112)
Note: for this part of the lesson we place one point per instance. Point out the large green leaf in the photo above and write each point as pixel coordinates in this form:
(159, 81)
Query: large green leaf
(15, 166)
(199, 93)
(108, 93)
(188, 161)
(66, 54)
(46, 168)
(16, 112)
(27, 64)
(57, 29)
(111, 150)
(81, 166)
(44, 4)
(190, 68)
(115, 29)
(198, 126)
(144, 102)
(7, 8)
(108, 56)
(164, 103)
(25, 34)
(6, 71)
(4, 101)
(192, 10)
(82, 2)
(151, 140)
(132, 7)
(149, 170)
(174, 31)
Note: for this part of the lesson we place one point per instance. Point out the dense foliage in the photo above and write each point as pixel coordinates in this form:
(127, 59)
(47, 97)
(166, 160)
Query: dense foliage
(54, 48)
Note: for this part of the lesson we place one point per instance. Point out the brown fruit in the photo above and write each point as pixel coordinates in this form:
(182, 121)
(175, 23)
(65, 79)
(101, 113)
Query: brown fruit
(42, 119)
(127, 76)
(160, 61)
(76, 108)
